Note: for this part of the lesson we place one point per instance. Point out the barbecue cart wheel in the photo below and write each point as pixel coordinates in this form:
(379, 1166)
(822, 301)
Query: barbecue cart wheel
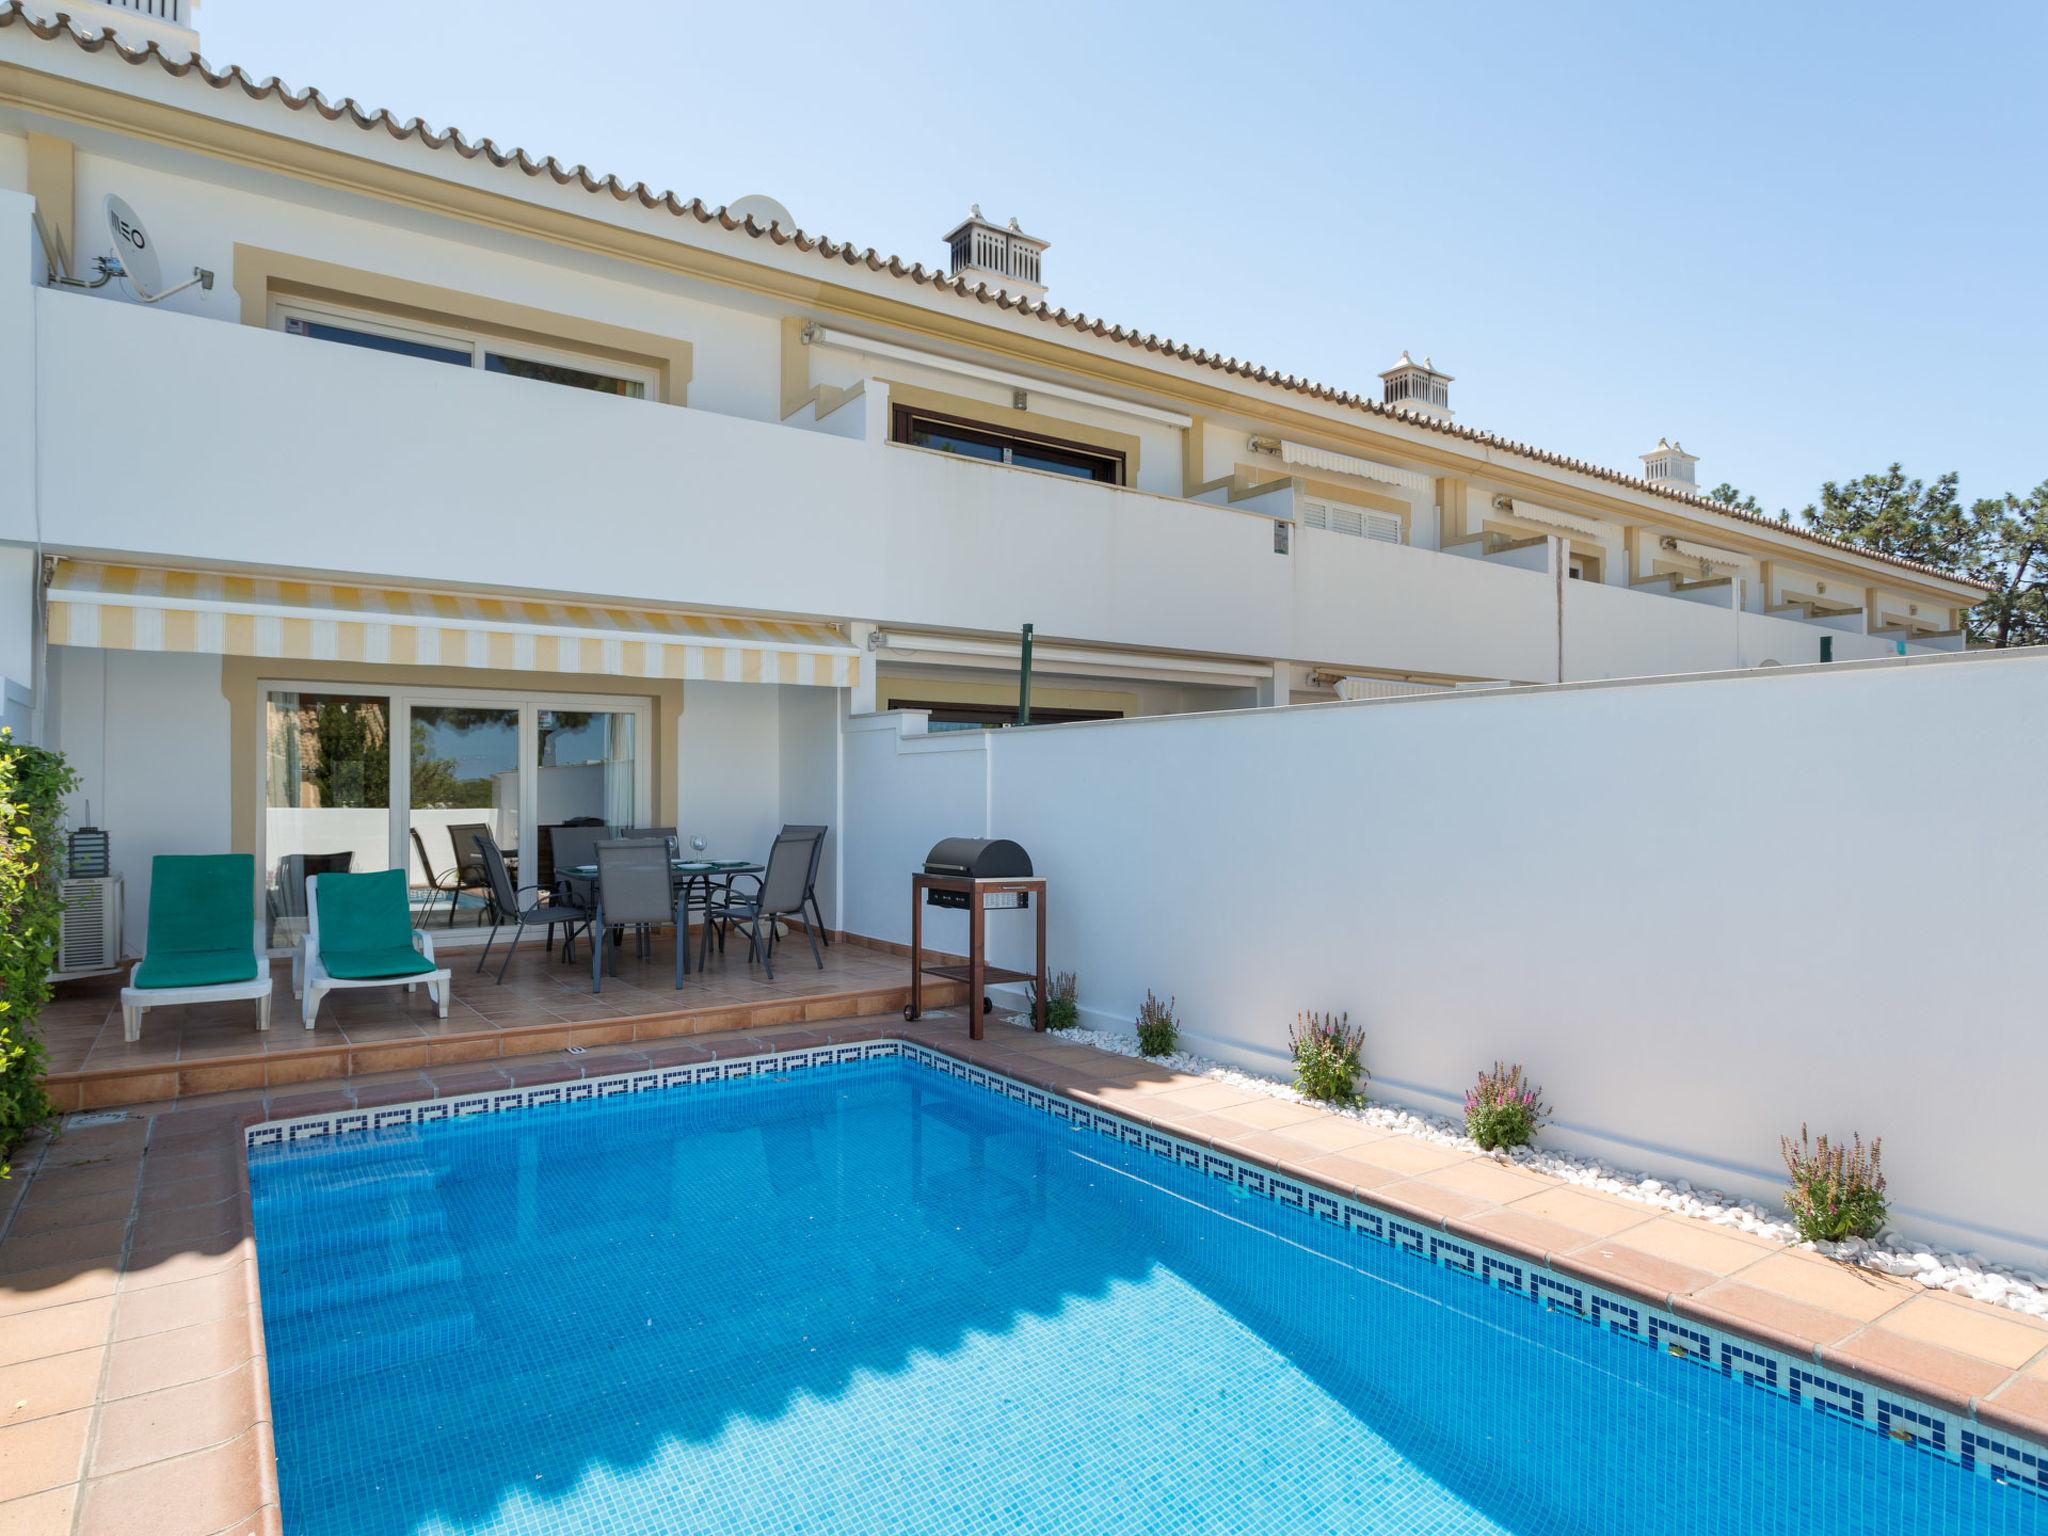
(909, 1013)
(988, 1006)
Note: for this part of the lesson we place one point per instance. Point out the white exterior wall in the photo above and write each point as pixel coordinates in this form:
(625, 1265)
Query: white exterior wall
(729, 768)
(148, 735)
(1596, 881)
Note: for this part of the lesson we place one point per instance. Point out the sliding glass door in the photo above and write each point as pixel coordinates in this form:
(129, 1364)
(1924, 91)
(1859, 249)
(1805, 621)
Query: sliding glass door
(361, 778)
(464, 781)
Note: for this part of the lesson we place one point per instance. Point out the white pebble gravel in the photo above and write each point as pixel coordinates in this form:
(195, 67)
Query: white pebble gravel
(1965, 1274)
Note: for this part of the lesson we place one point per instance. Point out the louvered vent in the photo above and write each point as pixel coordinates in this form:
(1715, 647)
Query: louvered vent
(90, 936)
(1359, 522)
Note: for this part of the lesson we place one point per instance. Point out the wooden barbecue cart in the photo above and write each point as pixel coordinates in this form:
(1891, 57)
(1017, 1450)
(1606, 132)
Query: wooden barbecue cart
(980, 896)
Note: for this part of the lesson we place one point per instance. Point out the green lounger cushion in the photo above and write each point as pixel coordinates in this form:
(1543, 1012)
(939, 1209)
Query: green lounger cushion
(366, 927)
(197, 968)
(202, 918)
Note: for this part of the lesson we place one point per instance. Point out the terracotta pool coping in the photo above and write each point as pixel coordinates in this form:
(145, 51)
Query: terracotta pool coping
(136, 1340)
(1988, 1362)
(120, 1087)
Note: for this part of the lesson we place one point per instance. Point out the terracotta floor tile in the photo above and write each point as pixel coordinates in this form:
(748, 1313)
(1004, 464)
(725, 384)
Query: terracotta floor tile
(1791, 1325)
(1520, 1231)
(56, 1330)
(2003, 1337)
(1611, 1262)
(147, 1269)
(1716, 1251)
(175, 1421)
(40, 1514)
(1859, 1293)
(192, 1226)
(1484, 1179)
(2022, 1403)
(42, 1211)
(1427, 1195)
(39, 1290)
(1924, 1369)
(1594, 1215)
(1267, 1114)
(35, 1389)
(1413, 1157)
(43, 1453)
(1351, 1170)
(194, 1495)
(1326, 1133)
(157, 1361)
(184, 1304)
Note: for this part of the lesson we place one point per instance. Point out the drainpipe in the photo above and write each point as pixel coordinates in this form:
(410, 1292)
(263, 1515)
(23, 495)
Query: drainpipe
(1024, 681)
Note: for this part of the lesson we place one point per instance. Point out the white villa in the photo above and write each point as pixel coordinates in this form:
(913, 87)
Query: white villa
(269, 572)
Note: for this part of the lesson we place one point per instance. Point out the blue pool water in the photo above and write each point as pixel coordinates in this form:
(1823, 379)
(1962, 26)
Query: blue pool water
(874, 1299)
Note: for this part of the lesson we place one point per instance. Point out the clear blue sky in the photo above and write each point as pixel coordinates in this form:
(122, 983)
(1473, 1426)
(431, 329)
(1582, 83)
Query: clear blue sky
(1806, 240)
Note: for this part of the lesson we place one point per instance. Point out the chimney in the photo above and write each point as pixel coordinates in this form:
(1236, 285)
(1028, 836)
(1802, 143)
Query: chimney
(172, 25)
(1002, 256)
(1669, 468)
(1418, 387)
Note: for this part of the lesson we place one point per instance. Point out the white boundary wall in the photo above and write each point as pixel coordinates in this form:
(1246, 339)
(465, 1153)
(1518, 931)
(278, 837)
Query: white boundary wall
(1701, 910)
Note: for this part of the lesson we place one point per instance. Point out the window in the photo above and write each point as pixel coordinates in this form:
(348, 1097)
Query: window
(464, 349)
(975, 717)
(1359, 522)
(996, 445)
(1583, 568)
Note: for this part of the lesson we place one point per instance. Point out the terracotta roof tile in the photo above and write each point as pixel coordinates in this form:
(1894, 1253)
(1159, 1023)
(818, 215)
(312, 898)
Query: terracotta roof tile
(828, 249)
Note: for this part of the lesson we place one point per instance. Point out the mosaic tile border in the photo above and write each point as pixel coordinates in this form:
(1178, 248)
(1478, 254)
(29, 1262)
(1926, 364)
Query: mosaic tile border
(1911, 1423)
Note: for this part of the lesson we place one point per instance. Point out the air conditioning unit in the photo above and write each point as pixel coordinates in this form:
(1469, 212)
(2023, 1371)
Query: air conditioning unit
(89, 940)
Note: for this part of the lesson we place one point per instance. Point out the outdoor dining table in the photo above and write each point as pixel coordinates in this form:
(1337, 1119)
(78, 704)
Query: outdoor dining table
(682, 875)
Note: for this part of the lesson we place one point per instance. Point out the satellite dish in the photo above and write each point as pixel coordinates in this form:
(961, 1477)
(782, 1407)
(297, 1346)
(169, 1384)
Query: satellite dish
(135, 257)
(132, 246)
(764, 211)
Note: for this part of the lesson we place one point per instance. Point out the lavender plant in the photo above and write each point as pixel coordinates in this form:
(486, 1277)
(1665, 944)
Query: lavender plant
(1062, 1000)
(1326, 1047)
(1837, 1191)
(1504, 1109)
(1158, 1028)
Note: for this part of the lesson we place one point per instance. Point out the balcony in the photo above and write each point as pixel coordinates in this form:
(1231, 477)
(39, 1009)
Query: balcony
(165, 436)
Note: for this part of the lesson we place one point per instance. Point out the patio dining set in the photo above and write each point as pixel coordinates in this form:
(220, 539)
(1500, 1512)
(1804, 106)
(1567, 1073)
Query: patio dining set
(205, 943)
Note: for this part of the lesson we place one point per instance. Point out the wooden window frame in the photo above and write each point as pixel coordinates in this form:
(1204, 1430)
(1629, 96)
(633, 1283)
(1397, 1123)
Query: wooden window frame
(902, 418)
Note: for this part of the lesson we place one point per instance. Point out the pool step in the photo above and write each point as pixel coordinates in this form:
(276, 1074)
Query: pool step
(321, 1284)
(365, 1229)
(327, 1349)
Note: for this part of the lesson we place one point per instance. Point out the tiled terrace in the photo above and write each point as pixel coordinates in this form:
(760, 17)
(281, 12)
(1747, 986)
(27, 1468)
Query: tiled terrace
(542, 1005)
(132, 1378)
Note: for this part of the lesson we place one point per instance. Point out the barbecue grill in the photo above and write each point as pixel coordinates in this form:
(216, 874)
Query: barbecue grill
(977, 876)
(977, 858)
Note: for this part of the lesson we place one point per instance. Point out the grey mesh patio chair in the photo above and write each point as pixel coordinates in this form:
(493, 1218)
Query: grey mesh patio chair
(779, 892)
(505, 905)
(633, 890)
(812, 914)
(467, 838)
(665, 834)
(438, 883)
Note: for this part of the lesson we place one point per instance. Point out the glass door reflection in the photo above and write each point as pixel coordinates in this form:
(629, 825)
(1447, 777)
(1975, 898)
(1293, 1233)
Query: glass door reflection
(326, 797)
(464, 782)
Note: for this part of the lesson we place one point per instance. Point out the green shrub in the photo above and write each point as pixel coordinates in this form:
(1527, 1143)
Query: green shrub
(1158, 1029)
(1504, 1109)
(33, 784)
(1326, 1067)
(1062, 1001)
(1837, 1192)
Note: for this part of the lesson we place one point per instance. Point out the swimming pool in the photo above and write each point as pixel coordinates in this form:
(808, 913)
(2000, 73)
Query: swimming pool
(856, 1290)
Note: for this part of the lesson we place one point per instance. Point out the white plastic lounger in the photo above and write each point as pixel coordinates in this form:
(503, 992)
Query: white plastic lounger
(204, 944)
(367, 940)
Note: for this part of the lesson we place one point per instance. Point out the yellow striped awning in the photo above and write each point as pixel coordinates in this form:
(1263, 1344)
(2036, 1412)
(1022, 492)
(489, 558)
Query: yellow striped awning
(144, 608)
